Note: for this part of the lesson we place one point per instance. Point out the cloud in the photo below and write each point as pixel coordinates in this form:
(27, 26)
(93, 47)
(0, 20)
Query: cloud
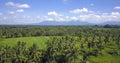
(74, 18)
(99, 18)
(17, 5)
(113, 16)
(15, 19)
(38, 17)
(92, 18)
(1, 14)
(77, 11)
(115, 13)
(48, 18)
(84, 15)
(88, 17)
(11, 12)
(20, 10)
(53, 13)
(117, 7)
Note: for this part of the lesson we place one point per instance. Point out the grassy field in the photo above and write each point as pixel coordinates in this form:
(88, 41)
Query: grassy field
(40, 41)
(105, 59)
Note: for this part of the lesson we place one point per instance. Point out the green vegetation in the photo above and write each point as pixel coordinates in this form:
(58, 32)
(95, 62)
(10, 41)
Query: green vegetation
(59, 44)
(41, 41)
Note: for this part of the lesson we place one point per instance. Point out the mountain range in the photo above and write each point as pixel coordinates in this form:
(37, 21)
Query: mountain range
(63, 23)
(111, 23)
(69, 23)
(75, 23)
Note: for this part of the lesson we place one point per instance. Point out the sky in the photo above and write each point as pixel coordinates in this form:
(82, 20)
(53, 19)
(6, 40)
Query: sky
(36, 11)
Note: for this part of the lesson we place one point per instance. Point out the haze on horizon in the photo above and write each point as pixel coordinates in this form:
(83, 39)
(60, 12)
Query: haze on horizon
(36, 11)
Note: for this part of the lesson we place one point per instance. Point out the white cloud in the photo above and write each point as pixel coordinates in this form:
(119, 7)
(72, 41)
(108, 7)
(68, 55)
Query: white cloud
(93, 16)
(90, 17)
(1, 13)
(2, 18)
(10, 4)
(74, 18)
(20, 10)
(11, 12)
(113, 16)
(16, 5)
(60, 19)
(23, 6)
(77, 11)
(46, 18)
(99, 18)
(53, 13)
(38, 17)
(115, 13)
(50, 19)
(86, 16)
(117, 7)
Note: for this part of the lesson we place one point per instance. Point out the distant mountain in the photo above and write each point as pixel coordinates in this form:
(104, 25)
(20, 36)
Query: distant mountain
(63, 23)
(111, 23)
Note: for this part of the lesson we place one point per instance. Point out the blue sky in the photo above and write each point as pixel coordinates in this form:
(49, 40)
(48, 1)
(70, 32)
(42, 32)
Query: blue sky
(35, 11)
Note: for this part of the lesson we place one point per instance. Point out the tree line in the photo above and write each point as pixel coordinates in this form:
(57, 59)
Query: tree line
(28, 31)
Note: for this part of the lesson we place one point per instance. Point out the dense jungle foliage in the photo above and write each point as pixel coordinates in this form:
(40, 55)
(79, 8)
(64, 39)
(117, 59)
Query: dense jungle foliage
(69, 44)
